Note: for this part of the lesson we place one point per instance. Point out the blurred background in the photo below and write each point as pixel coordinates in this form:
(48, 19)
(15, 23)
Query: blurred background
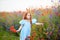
(46, 11)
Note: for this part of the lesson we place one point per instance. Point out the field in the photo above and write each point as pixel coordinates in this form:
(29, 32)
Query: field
(50, 30)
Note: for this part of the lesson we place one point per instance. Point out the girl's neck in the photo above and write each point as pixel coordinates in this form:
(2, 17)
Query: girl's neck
(27, 19)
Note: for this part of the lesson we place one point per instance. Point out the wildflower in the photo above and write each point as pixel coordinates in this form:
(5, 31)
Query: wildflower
(12, 29)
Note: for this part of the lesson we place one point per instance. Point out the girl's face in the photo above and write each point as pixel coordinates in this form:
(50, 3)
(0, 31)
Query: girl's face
(28, 16)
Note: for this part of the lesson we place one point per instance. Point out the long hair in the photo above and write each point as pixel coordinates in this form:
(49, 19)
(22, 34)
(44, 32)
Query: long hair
(25, 17)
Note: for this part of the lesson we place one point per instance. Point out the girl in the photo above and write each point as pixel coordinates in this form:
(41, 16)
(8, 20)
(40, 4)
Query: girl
(26, 24)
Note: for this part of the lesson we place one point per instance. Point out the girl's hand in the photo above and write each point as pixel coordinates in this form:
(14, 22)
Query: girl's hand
(17, 30)
(39, 24)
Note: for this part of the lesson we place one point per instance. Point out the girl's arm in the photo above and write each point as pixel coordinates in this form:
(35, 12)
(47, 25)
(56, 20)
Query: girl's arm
(39, 23)
(19, 28)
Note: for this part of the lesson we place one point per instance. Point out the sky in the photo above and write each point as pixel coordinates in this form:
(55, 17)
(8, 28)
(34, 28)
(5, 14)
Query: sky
(16, 5)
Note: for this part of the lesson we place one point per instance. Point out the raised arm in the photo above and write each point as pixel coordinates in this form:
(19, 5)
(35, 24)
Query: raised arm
(39, 23)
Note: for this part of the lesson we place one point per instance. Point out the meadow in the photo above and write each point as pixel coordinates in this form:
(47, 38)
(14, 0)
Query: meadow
(49, 31)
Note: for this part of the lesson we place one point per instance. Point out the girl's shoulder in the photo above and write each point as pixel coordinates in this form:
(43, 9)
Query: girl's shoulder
(21, 21)
(34, 20)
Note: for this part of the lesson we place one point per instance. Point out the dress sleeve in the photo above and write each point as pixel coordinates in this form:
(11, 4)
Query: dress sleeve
(34, 21)
(21, 22)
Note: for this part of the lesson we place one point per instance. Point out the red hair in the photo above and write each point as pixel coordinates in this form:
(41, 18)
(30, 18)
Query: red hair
(25, 17)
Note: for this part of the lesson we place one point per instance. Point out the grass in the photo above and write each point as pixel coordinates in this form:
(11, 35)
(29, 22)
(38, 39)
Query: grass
(6, 35)
(51, 20)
